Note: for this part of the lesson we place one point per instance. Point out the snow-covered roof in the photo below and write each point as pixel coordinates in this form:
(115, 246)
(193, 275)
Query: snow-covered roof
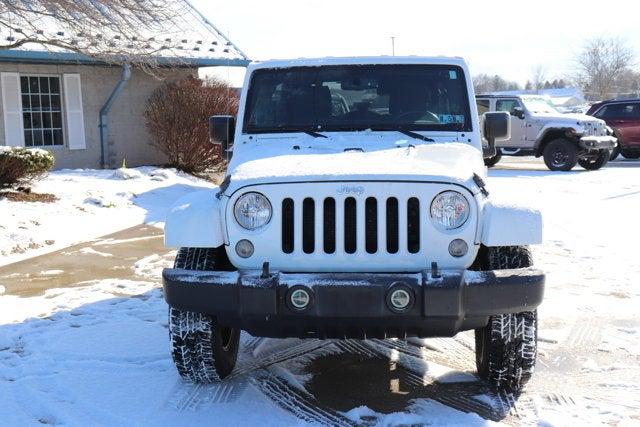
(187, 38)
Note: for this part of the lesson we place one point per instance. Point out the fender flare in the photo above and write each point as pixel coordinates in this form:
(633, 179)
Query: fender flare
(542, 139)
(194, 221)
(509, 225)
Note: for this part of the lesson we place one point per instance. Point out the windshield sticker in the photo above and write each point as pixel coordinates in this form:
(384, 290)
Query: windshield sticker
(451, 118)
(453, 75)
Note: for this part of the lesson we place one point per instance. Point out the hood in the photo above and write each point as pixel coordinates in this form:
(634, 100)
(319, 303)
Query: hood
(441, 162)
(571, 118)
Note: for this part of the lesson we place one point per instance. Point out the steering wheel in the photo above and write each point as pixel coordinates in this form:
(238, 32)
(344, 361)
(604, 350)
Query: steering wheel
(419, 115)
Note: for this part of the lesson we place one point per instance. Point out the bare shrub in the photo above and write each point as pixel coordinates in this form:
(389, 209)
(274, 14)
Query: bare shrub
(21, 166)
(177, 117)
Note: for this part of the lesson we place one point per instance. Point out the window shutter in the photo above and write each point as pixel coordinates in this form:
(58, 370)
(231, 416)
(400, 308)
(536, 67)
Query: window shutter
(75, 116)
(12, 108)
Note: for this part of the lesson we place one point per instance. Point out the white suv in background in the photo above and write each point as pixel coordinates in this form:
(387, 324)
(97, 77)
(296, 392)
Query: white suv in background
(538, 129)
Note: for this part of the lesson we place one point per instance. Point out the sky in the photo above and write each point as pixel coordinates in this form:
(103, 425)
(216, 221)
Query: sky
(509, 38)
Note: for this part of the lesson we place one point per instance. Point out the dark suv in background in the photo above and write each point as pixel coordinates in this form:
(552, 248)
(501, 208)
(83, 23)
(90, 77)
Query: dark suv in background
(623, 116)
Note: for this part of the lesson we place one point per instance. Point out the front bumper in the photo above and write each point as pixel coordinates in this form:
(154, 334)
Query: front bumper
(598, 142)
(354, 305)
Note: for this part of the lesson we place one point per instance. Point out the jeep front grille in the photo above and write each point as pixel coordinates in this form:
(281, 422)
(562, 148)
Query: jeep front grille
(380, 228)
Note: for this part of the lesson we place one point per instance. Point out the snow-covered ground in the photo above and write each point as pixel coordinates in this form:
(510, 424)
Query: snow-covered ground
(91, 203)
(98, 354)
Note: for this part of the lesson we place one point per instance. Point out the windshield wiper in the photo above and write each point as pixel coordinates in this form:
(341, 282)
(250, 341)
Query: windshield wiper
(314, 134)
(415, 135)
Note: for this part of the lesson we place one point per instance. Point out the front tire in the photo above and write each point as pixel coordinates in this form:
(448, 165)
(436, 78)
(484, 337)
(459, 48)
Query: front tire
(615, 153)
(631, 155)
(203, 350)
(506, 348)
(596, 163)
(560, 155)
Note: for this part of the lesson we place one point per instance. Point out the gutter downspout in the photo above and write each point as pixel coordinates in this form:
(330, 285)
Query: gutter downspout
(104, 111)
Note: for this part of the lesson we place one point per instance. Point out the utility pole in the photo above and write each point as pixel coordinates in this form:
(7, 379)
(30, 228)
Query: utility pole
(393, 46)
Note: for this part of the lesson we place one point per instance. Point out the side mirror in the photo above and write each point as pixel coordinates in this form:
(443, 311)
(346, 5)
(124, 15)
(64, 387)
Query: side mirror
(518, 112)
(221, 131)
(496, 126)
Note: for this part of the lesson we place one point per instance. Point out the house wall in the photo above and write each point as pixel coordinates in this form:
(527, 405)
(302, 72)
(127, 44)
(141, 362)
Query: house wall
(127, 137)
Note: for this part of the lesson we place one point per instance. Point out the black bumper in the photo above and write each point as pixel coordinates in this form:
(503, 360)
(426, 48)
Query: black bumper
(354, 305)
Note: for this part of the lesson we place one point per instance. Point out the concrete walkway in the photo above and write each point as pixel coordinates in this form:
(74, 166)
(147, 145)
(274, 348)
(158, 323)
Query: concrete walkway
(109, 257)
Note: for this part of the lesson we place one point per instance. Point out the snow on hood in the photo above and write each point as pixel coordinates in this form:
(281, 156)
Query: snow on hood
(571, 118)
(445, 162)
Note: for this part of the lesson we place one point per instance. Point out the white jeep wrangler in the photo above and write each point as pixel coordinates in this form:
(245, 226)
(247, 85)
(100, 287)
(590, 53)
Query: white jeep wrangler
(354, 206)
(538, 129)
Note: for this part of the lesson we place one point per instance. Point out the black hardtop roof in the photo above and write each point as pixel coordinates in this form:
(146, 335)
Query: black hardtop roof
(618, 100)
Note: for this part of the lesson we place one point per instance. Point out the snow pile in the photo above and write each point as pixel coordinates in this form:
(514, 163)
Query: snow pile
(91, 203)
(126, 173)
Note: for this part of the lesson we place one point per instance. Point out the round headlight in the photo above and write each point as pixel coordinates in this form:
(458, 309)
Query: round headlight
(252, 211)
(449, 210)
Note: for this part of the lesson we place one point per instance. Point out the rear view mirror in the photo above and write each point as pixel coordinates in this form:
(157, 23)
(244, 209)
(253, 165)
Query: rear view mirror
(221, 131)
(496, 126)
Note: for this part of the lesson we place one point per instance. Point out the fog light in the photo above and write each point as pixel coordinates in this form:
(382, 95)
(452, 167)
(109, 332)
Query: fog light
(458, 248)
(400, 299)
(300, 299)
(244, 248)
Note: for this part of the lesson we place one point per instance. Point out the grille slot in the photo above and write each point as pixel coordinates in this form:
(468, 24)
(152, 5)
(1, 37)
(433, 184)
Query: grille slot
(350, 224)
(370, 225)
(287, 226)
(392, 225)
(329, 231)
(308, 225)
(413, 225)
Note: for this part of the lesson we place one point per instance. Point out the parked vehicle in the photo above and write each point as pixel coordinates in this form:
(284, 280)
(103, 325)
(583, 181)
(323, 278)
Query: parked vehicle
(538, 129)
(623, 116)
(354, 206)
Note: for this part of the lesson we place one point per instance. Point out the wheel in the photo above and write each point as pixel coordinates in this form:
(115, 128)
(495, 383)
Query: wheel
(627, 154)
(614, 153)
(560, 155)
(203, 350)
(506, 348)
(492, 161)
(595, 163)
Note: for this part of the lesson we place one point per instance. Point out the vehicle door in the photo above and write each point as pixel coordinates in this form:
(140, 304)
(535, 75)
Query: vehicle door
(518, 122)
(630, 123)
(617, 116)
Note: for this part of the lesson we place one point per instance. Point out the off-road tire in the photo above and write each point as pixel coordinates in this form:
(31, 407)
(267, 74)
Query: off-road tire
(560, 155)
(492, 161)
(506, 348)
(202, 350)
(597, 163)
(631, 155)
(615, 153)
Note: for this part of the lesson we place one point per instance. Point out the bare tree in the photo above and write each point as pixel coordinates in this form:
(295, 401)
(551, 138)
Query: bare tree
(484, 83)
(114, 31)
(177, 116)
(538, 77)
(601, 63)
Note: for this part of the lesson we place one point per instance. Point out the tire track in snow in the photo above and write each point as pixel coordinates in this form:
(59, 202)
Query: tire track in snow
(298, 402)
(306, 346)
(511, 408)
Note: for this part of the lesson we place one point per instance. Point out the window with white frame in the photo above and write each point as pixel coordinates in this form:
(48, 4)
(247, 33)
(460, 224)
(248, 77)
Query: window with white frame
(41, 111)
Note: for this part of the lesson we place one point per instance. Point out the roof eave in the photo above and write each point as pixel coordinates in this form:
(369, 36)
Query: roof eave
(45, 57)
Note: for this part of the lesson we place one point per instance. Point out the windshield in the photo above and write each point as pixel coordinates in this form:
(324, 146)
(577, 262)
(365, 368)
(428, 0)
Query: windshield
(357, 97)
(539, 105)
